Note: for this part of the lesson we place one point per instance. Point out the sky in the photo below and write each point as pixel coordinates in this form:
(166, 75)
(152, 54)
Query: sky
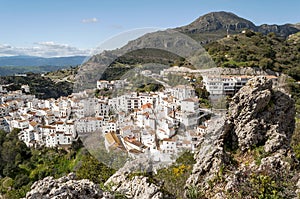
(75, 27)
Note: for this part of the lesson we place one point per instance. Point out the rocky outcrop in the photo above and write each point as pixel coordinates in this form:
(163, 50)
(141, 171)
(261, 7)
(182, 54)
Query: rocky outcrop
(250, 154)
(210, 156)
(65, 187)
(216, 21)
(139, 187)
(127, 181)
(260, 116)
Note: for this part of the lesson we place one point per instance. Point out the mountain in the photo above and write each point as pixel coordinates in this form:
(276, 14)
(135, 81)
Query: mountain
(41, 61)
(181, 41)
(216, 25)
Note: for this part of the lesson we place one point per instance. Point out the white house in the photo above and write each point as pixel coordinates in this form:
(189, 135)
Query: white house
(190, 105)
(89, 124)
(102, 84)
(182, 92)
(168, 146)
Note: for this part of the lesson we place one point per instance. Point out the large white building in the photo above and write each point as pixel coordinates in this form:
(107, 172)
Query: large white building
(89, 124)
(223, 85)
(182, 92)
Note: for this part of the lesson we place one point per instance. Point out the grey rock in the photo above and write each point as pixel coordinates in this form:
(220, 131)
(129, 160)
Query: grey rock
(210, 156)
(258, 116)
(64, 187)
(137, 187)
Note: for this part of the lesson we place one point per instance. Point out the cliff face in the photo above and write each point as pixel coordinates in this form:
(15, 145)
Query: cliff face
(250, 156)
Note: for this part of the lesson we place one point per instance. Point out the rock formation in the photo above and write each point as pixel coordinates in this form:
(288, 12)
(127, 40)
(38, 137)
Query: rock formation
(128, 181)
(250, 156)
(65, 187)
(259, 115)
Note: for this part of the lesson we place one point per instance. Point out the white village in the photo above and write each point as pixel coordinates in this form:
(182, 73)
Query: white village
(161, 123)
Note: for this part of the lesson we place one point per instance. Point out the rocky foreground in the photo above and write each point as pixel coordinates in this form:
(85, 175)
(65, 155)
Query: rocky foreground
(66, 188)
(250, 156)
(246, 154)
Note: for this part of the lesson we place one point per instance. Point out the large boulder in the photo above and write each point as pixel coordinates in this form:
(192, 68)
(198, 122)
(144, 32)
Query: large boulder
(260, 116)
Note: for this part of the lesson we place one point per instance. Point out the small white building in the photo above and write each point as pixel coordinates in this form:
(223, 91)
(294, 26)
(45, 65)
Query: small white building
(190, 105)
(102, 84)
(182, 92)
(168, 146)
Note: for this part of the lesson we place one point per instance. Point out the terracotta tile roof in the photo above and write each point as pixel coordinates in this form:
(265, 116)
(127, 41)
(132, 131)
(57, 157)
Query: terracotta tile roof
(33, 123)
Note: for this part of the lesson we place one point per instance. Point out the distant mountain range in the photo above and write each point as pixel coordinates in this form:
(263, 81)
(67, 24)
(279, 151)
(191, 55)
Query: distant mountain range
(41, 61)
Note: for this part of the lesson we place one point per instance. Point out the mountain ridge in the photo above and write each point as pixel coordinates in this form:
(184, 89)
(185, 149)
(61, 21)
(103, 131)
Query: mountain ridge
(40, 61)
(222, 23)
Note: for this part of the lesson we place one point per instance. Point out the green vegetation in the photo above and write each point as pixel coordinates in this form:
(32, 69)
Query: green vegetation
(257, 50)
(149, 55)
(264, 184)
(296, 139)
(20, 166)
(11, 70)
(116, 72)
(63, 74)
(150, 87)
(175, 80)
(41, 87)
(130, 60)
(258, 154)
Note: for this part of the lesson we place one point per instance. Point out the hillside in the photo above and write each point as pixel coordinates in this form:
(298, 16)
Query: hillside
(252, 49)
(252, 152)
(41, 87)
(204, 30)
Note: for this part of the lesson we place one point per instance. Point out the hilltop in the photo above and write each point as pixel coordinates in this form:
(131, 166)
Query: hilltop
(216, 25)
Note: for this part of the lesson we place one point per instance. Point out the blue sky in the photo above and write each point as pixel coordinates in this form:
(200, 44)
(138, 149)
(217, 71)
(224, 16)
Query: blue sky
(76, 26)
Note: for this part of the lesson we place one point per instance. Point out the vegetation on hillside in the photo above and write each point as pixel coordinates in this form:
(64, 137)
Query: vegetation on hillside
(41, 87)
(12, 70)
(252, 49)
(20, 166)
(67, 74)
(148, 55)
(173, 178)
(130, 60)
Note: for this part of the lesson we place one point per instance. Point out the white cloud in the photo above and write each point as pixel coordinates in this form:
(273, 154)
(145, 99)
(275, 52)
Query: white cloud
(91, 20)
(43, 49)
